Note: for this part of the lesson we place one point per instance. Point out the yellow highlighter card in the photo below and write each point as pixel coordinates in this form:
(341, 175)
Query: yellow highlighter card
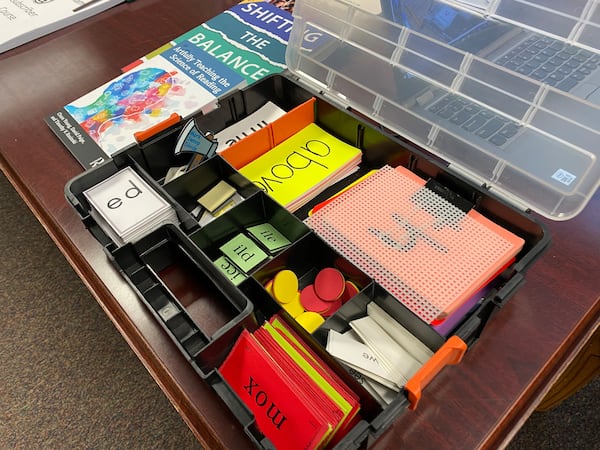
(301, 164)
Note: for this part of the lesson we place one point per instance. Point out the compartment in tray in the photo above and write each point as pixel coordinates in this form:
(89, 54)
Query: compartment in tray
(75, 193)
(357, 308)
(182, 288)
(309, 265)
(189, 187)
(259, 212)
(157, 154)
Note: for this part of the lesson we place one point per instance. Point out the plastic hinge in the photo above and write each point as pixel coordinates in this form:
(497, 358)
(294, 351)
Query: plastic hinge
(386, 418)
(508, 290)
(469, 331)
(468, 176)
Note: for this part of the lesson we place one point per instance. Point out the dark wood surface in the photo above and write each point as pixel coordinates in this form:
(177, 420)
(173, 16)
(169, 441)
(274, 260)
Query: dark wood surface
(480, 403)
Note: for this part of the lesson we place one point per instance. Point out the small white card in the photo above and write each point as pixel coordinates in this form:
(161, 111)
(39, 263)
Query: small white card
(125, 200)
(259, 119)
(391, 355)
(381, 393)
(129, 205)
(360, 357)
(401, 335)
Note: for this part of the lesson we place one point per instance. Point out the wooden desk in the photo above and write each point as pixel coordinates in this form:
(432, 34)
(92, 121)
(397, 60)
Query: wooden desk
(480, 403)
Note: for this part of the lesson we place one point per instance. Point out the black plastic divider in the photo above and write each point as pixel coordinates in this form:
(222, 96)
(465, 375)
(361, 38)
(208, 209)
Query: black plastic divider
(257, 209)
(186, 188)
(156, 155)
(305, 258)
(239, 410)
(279, 90)
(193, 302)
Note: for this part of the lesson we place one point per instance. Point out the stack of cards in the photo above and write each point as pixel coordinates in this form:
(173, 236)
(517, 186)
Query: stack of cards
(219, 199)
(245, 251)
(380, 349)
(127, 208)
(297, 400)
(302, 166)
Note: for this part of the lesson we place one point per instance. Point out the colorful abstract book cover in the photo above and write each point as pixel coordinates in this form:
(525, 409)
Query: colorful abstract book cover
(182, 80)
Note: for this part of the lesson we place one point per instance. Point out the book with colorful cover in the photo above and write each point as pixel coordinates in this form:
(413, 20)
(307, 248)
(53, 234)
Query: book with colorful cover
(251, 38)
(235, 48)
(181, 81)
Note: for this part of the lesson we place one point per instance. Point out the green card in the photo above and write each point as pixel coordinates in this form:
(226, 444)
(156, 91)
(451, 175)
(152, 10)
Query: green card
(269, 236)
(243, 252)
(229, 269)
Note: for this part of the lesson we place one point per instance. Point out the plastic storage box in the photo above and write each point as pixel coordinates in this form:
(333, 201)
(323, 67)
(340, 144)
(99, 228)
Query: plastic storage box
(532, 64)
(402, 81)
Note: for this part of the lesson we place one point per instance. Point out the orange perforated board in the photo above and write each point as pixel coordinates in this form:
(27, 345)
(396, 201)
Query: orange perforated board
(422, 249)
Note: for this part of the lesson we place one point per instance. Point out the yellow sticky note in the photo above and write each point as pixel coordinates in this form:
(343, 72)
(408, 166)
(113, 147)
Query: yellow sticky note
(216, 196)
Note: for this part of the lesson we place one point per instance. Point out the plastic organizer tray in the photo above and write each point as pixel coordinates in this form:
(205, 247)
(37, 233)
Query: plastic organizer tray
(205, 317)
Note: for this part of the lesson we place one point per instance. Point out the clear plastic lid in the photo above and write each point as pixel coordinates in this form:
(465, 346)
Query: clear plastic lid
(507, 91)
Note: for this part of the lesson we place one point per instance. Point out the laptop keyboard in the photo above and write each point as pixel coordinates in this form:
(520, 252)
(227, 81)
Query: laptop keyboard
(475, 119)
(551, 61)
(539, 57)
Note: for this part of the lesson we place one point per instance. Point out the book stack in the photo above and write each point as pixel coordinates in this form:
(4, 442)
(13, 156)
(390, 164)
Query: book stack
(127, 208)
(297, 400)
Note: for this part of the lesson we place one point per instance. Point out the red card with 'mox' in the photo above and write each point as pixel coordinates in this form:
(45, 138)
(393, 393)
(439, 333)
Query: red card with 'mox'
(281, 412)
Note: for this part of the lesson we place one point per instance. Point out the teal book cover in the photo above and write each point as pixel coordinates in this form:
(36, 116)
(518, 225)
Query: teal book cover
(251, 38)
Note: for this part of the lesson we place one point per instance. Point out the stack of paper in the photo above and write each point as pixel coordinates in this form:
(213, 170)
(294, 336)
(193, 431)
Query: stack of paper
(25, 21)
(302, 166)
(380, 349)
(297, 401)
(127, 208)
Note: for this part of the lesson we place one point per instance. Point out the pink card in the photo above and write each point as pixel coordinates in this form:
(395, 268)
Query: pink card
(422, 249)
